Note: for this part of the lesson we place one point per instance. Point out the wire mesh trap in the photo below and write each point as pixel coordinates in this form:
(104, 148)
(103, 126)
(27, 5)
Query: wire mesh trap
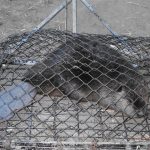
(76, 88)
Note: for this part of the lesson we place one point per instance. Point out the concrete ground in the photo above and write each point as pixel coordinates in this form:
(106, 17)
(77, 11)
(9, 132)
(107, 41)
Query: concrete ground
(129, 17)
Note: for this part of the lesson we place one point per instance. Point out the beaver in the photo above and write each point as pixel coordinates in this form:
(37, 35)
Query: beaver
(87, 70)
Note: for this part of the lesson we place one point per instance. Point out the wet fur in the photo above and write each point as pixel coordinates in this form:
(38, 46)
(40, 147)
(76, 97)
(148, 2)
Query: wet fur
(86, 70)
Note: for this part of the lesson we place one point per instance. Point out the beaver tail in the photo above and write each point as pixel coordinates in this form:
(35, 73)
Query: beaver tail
(15, 98)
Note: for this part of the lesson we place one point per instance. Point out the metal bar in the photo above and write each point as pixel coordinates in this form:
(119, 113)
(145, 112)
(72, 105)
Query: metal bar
(88, 5)
(52, 15)
(92, 9)
(74, 13)
(66, 16)
(38, 27)
(146, 143)
(44, 22)
(66, 19)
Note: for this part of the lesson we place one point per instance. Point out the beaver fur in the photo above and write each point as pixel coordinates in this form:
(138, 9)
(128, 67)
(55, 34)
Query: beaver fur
(86, 70)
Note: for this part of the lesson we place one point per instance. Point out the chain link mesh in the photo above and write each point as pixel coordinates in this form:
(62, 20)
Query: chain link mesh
(80, 87)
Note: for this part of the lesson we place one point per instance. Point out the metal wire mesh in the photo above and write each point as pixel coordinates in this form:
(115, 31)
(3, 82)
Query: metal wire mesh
(88, 88)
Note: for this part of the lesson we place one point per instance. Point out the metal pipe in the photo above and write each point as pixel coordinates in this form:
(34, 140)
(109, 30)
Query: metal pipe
(52, 15)
(92, 9)
(66, 16)
(89, 5)
(7, 52)
(74, 13)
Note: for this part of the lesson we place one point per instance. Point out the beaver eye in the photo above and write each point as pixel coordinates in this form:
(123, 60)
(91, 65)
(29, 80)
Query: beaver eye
(120, 89)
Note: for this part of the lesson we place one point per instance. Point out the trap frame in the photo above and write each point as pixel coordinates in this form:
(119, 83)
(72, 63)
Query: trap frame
(52, 124)
(47, 119)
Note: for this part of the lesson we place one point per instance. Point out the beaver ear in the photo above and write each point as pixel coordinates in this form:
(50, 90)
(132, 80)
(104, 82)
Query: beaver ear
(120, 89)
